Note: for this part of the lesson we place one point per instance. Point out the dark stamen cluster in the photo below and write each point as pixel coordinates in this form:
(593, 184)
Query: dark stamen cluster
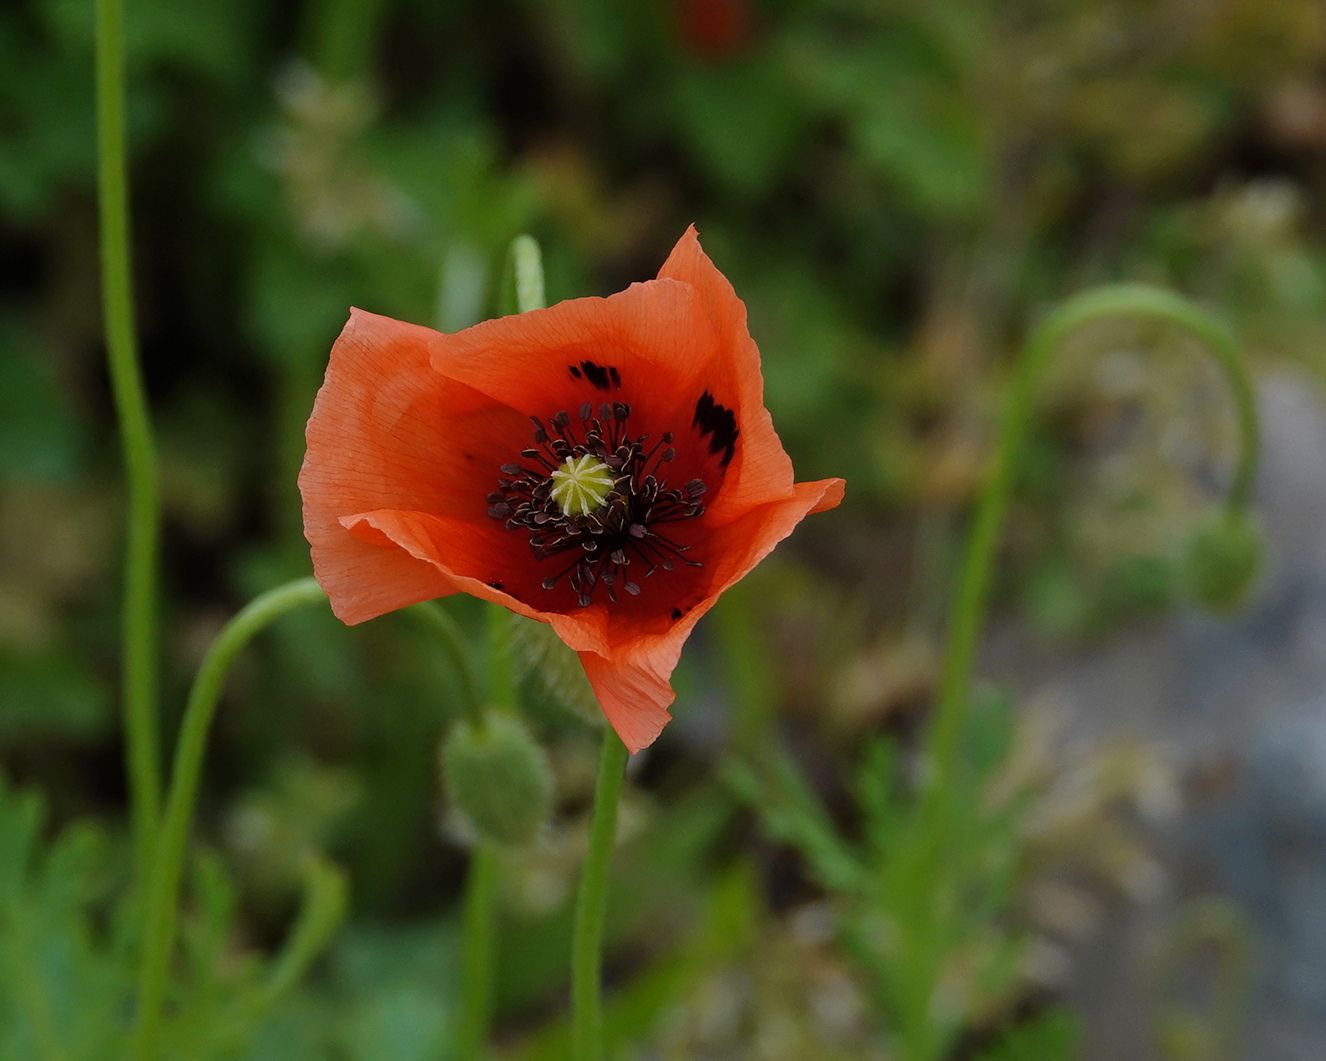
(599, 548)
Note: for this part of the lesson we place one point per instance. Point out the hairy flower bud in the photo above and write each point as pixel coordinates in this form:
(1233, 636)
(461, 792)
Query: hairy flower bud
(1222, 561)
(543, 659)
(497, 776)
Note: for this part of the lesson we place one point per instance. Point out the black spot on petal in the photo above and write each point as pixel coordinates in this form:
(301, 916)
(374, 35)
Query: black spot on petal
(574, 370)
(677, 613)
(601, 376)
(719, 424)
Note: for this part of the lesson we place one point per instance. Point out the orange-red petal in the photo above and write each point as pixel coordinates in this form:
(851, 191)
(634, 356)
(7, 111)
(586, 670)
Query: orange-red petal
(387, 432)
(656, 335)
(630, 676)
(634, 698)
(761, 469)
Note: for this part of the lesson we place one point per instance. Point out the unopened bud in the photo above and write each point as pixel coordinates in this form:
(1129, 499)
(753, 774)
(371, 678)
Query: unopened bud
(497, 776)
(1222, 561)
(544, 659)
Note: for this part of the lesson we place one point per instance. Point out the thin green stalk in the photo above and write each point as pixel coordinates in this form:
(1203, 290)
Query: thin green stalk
(479, 905)
(321, 911)
(479, 919)
(527, 273)
(341, 37)
(459, 654)
(752, 685)
(478, 952)
(326, 892)
(501, 667)
(163, 896)
(591, 902)
(23, 955)
(139, 622)
(923, 1038)
(974, 579)
(521, 289)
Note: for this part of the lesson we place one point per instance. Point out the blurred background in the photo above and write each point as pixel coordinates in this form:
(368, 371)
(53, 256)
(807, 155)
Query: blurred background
(898, 191)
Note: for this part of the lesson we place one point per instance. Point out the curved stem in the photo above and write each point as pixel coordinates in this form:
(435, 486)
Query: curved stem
(972, 595)
(139, 633)
(326, 891)
(458, 651)
(321, 911)
(163, 896)
(586, 953)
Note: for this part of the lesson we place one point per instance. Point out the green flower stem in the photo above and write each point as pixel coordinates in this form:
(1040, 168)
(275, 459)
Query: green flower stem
(321, 911)
(139, 631)
(525, 269)
(459, 654)
(586, 953)
(973, 592)
(320, 914)
(479, 905)
(325, 890)
(525, 265)
(478, 952)
(521, 290)
(501, 667)
(752, 686)
(163, 896)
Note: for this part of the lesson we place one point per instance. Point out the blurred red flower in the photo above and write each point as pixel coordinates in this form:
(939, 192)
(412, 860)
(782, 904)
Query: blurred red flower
(605, 465)
(715, 28)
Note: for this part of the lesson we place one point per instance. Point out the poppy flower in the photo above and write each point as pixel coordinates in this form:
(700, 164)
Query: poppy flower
(716, 28)
(605, 465)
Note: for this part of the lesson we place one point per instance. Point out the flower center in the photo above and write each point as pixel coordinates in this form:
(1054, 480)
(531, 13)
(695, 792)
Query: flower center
(581, 485)
(596, 497)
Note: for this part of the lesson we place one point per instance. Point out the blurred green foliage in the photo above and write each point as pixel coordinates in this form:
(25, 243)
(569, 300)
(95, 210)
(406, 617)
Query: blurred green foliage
(894, 188)
(928, 938)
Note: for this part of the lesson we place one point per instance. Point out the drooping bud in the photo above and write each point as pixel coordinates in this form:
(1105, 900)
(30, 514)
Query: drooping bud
(1222, 561)
(498, 778)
